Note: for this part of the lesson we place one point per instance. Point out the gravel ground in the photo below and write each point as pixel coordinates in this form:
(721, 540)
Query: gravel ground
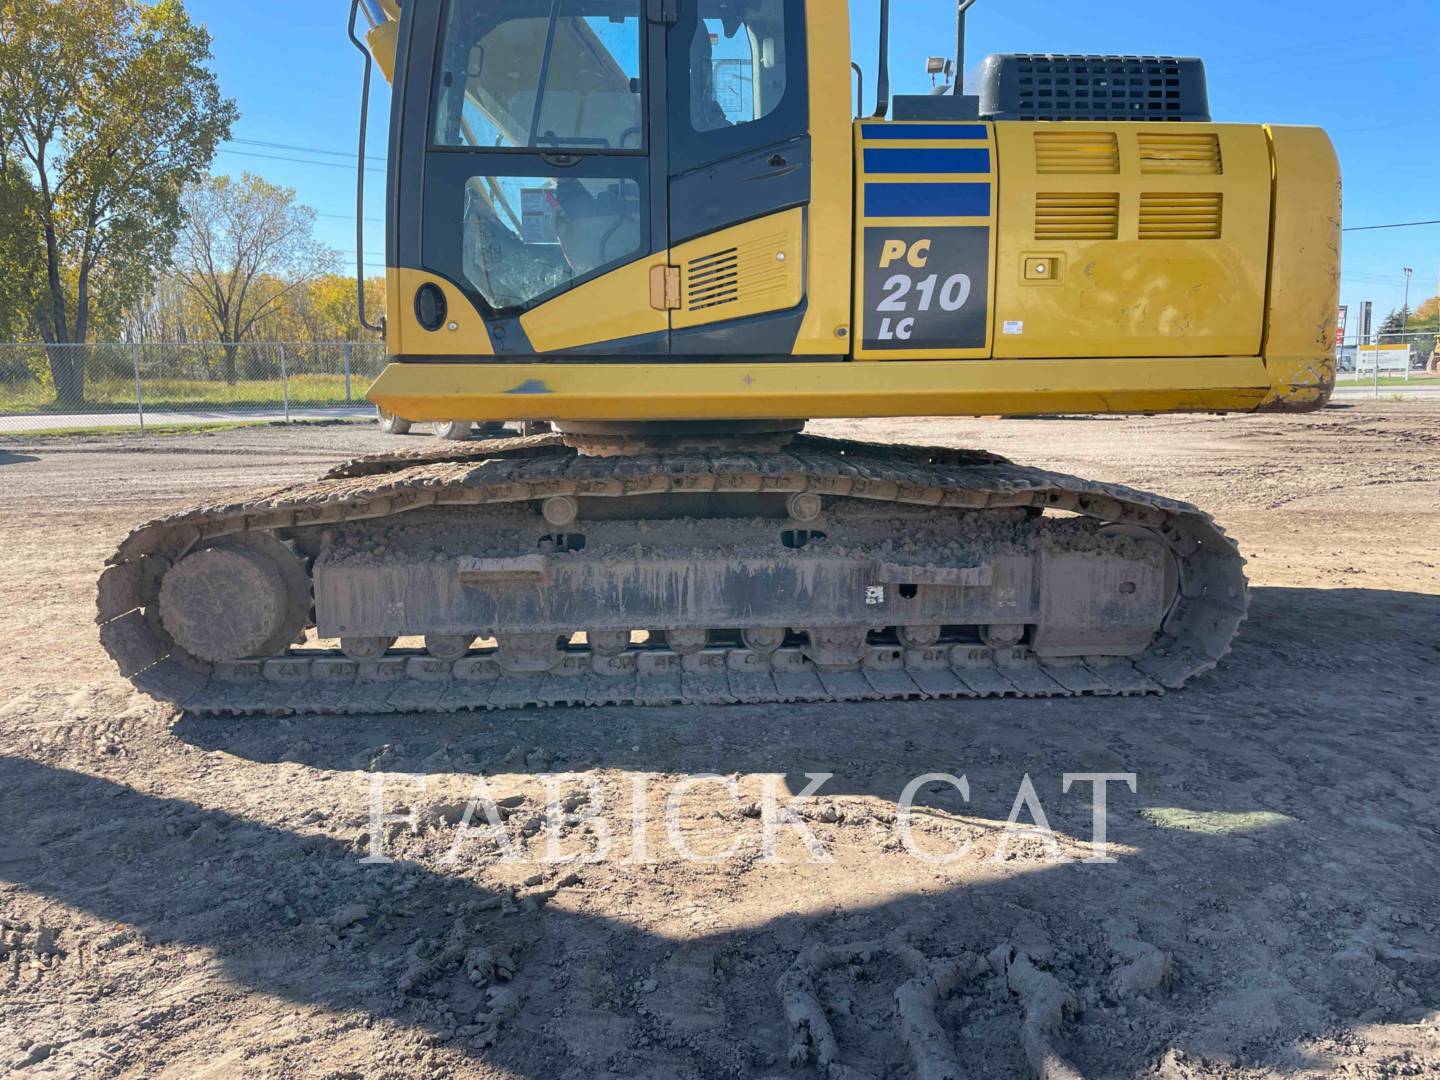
(190, 898)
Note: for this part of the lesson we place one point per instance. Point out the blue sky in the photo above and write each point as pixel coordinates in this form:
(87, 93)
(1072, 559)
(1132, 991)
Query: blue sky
(1370, 75)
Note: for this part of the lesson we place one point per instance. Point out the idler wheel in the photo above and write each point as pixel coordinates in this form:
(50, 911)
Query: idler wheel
(247, 597)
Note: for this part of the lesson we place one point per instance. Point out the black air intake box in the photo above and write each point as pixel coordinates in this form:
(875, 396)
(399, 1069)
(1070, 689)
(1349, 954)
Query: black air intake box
(1043, 87)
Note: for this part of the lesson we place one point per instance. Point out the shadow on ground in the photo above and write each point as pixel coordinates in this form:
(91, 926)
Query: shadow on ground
(1280, 853)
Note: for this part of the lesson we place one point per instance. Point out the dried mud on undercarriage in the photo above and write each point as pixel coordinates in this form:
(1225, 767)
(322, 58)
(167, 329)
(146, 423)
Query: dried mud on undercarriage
(834, 570)
(184, 895)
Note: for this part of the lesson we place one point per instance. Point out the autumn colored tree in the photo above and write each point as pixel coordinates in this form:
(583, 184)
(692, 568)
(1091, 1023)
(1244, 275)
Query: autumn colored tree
(110, 112)
(1427, 315)
(330, 311)
(323, 311)
(246, 248)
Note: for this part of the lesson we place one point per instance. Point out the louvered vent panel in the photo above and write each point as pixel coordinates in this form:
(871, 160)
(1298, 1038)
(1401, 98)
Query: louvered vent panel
(1180, 154)
(750, 273)
(1076, 152)
(1181, 216)
(1077, 216)
(712, 280)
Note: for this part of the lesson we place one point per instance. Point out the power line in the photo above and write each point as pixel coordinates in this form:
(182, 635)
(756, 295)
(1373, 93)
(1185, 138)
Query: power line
(1374, 279)
(351, 217)
(349, 256)
(327, 164)
(298, 161)
(1401, 225)
(348, 155)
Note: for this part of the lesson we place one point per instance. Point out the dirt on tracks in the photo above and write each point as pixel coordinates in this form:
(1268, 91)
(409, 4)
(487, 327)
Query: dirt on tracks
(190, 898)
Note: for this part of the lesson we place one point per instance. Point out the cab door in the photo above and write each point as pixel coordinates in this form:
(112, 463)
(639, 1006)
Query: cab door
(738, 156)
(538, 200)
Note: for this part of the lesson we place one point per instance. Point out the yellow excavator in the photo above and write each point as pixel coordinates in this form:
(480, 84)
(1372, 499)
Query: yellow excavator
(660, 227)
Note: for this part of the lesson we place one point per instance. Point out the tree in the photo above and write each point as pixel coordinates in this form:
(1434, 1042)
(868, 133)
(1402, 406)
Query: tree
(245, 248)
(18, 229)
(323, 312)
(331, 312)
(1415, 328)
(1396, 321)
(111, 109)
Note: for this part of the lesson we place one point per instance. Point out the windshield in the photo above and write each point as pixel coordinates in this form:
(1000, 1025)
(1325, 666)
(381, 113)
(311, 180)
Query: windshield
(541, 74)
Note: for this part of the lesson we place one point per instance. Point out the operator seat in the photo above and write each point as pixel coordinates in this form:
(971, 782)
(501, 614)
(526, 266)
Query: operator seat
(705, 110)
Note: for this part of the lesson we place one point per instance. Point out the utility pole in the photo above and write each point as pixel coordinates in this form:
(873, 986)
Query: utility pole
(136, 350)
(285, 382)
(1405, 308)
(1434, 364)
(1405, 318)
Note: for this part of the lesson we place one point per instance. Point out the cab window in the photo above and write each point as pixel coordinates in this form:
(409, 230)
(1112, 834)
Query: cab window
(744, 58)
(737, 66)
(528, 237)
(518, 74)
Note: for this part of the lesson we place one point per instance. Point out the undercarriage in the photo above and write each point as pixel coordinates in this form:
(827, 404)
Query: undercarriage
(520, 572)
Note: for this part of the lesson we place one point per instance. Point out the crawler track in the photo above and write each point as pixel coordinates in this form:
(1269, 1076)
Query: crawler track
(1196, 634)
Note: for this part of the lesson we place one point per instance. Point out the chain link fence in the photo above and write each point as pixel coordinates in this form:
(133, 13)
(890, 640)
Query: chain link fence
(129, 385)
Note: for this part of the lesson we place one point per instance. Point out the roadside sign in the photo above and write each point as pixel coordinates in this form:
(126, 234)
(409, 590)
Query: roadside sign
(1391, 359)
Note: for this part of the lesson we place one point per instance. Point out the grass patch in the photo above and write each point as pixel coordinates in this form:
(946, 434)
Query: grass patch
(112, 392)
(1388, 380)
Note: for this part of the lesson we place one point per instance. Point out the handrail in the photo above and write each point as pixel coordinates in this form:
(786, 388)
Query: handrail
(379, 327)
(882, 77)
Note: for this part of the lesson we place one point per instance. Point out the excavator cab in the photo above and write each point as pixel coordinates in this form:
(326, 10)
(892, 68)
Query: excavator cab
(546, 145)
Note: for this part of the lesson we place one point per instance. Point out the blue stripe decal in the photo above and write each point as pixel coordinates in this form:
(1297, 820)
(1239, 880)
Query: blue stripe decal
(927, 161)
(948, 132)
(927, 200)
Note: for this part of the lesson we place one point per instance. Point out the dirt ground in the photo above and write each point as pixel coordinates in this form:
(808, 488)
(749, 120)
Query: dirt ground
(185, 898)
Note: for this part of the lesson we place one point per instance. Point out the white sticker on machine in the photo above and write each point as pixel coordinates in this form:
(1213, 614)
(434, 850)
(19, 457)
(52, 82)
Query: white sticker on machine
(1014, 327)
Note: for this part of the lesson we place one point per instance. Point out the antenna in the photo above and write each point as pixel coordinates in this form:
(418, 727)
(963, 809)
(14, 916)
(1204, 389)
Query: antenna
(882, 76)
